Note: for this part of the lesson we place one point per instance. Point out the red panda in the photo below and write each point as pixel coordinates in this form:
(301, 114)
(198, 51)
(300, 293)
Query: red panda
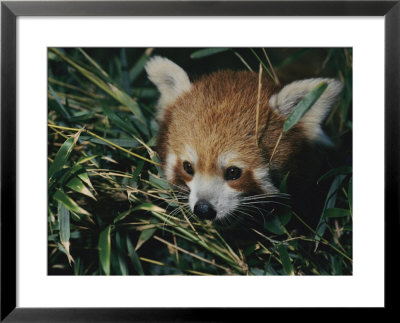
(208, 141)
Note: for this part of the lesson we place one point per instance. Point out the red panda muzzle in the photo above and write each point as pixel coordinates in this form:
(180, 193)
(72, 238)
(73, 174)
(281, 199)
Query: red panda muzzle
(204, 210)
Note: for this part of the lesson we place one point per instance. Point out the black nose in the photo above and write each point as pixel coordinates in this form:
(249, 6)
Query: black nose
(204, 210)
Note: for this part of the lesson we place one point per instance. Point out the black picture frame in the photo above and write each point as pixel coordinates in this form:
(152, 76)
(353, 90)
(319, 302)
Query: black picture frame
(11, 10)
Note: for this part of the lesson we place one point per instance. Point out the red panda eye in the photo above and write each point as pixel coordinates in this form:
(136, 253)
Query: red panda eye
(232, 173)
(188, 167)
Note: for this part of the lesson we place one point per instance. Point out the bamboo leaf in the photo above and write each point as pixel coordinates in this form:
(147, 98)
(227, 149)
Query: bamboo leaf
(77, 185)
(274, 225)
(207, 52)
(122, 215)
(350, 195)
(85, 159)
(148, 207)
(94, 63)
(137, 171)
(144, 207)
(290, 59)
(108, 87)
(138, 67)
(63, 154)
(60, 106)
(64, 227)
(158, 182)
(134, 257)
(123, 267)
(283, 187)
(334, 172)
(124, 125)
(69, 203)
(329, 203)
(78, 267)
(144, 236)
(105, 249)
(304, 105)
(63, 218)
(85, 178)
(336, 213)
(286, 263)
(122, 142)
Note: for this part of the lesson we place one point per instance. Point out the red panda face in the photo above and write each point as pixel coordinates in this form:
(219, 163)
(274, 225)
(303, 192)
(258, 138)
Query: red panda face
(208, 141)
(217, 183)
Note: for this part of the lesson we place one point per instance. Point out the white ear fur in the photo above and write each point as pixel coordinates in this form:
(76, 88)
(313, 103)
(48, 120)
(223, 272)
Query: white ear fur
(285, 101)
(170, 79)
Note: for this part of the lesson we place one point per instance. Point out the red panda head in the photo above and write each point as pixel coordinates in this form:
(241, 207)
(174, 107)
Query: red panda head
(208, 139)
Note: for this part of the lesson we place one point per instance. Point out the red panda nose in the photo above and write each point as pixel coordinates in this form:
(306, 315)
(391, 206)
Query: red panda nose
(204, 210)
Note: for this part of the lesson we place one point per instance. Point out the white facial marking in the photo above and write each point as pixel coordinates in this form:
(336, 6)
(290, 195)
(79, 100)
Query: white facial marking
(261, 174)
(190, 155)
(216, 191)
(170, 165)
(229, 159)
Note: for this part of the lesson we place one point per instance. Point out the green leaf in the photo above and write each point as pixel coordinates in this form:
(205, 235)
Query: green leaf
(83, 175)
(77, 267)
(290, 59)
(145, 93)
(274, 225)
(304, 105)
(123, 267)
(63, 154)
(137, 171)
(257, 271)
(105, 249)
(77, 185)
(62, 249)
(336, 213)
(144, 236)
(108, 87)
(247, 252)
(207, 52)
(79, 117)
(122, 142)
(138, 67)
(350, 195)
(122, 215)
(335, 171)
(148, 207)
(329, 203)
(60, 106)
(158, 182)
(144, 207)
(124, 125)
(85, 159)
(93, 62)
(69, 203)
(286, 263)
(285, 216)
(283, 185)
(134, 257)
(63, 218)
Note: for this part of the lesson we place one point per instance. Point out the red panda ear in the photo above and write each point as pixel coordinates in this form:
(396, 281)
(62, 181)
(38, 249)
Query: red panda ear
(287, 98)
(170, 79)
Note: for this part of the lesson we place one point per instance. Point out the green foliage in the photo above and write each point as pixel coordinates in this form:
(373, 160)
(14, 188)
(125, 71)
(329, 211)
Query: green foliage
(207, 52)
(112, 213)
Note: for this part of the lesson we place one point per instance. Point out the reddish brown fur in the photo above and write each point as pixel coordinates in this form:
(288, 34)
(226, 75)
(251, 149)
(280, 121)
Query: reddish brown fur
(246, 183)
(219, 115)
(180, 176)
